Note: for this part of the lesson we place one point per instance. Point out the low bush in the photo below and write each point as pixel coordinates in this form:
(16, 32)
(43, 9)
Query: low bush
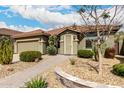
(30, 56)
(118, 69)
(109, 53)
(72, 61)
(85, 53)
(38, 82)
(52, 50)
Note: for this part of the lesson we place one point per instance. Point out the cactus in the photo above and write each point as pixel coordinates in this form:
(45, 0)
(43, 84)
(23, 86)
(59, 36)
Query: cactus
(6, 50)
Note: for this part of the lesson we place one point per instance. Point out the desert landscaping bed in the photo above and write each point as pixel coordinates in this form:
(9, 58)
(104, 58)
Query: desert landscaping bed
(84, 71)
(10, 69)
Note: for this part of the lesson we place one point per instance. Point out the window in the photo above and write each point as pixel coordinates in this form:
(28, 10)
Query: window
(88, 43)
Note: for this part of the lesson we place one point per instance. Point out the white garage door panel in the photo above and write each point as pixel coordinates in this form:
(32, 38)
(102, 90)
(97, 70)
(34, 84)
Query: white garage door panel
(28, 46)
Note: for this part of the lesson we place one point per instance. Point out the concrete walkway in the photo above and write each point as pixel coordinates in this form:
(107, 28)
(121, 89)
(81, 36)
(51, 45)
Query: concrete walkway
(18, 79)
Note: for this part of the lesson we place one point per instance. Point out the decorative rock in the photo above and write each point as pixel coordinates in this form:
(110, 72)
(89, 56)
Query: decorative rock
(10, 69)
(37, 60)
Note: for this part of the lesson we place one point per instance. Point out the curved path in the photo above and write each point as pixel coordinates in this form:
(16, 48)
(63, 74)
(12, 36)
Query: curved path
(18, 79)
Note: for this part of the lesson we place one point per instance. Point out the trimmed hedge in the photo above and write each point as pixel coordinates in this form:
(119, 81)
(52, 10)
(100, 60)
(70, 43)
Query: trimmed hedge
(30, 56)
(85, 53)
(109, 53)
(52, 50)
(118, 69)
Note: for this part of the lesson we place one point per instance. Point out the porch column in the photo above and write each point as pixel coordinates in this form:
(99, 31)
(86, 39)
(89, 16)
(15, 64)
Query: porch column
(61, 47)
(42, 46)
(75, 46)
(15, 47)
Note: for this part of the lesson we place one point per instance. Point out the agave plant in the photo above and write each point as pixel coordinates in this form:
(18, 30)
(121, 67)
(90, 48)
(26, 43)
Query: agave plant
(6, 50)
(38, 82)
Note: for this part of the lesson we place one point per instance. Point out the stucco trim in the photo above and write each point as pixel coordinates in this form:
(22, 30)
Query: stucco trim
(61, 41)
(27, 40)
(42, 41)
(76, 40)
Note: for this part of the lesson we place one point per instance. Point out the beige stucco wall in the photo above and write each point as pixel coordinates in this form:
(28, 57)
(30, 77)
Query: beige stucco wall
(81, 44)
(109, 42)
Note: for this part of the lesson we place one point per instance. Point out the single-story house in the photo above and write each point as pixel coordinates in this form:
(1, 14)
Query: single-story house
(70, 39)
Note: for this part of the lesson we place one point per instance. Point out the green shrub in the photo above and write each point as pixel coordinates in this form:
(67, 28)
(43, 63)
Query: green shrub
(118, 69)
(109, 53)
(85, 53)
(30, 56)
(51, 50)
(6, 50)
(38, 82)
(72, 61)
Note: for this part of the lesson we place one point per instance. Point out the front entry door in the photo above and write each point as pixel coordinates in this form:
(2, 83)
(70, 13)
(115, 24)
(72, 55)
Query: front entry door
(68, 44)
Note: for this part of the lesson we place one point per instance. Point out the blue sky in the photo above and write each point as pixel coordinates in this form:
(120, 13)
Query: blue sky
(26, 18)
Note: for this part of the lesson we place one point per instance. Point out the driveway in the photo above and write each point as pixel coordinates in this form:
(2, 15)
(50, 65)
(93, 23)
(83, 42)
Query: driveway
(18, 79)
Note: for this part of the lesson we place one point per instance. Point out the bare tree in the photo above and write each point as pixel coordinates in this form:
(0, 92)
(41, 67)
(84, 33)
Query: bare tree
(102, 19)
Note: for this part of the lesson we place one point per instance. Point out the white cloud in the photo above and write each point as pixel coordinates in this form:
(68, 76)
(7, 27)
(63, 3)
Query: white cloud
(20, 27)
(44, 15)
(3, 25)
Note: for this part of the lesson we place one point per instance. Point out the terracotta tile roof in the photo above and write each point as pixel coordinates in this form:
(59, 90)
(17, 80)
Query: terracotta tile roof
(80, 29)
(10, 32)
(31, 33)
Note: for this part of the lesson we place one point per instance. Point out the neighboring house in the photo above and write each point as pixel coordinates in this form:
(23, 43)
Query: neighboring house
(70, 39)
(33, 41)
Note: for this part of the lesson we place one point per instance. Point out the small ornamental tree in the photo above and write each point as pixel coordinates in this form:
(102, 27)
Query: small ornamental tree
(101, 20)
(6, 50)
(51, 49)
(52, 41)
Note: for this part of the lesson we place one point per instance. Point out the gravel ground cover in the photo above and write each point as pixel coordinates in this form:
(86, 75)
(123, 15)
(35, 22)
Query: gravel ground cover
(7, 70)
(84, 71)
(51, 78)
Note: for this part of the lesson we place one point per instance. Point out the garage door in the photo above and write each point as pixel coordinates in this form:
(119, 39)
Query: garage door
(27, 46)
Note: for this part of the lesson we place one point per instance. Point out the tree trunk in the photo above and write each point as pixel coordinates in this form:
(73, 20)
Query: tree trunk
(99, 52)
(100, 61)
